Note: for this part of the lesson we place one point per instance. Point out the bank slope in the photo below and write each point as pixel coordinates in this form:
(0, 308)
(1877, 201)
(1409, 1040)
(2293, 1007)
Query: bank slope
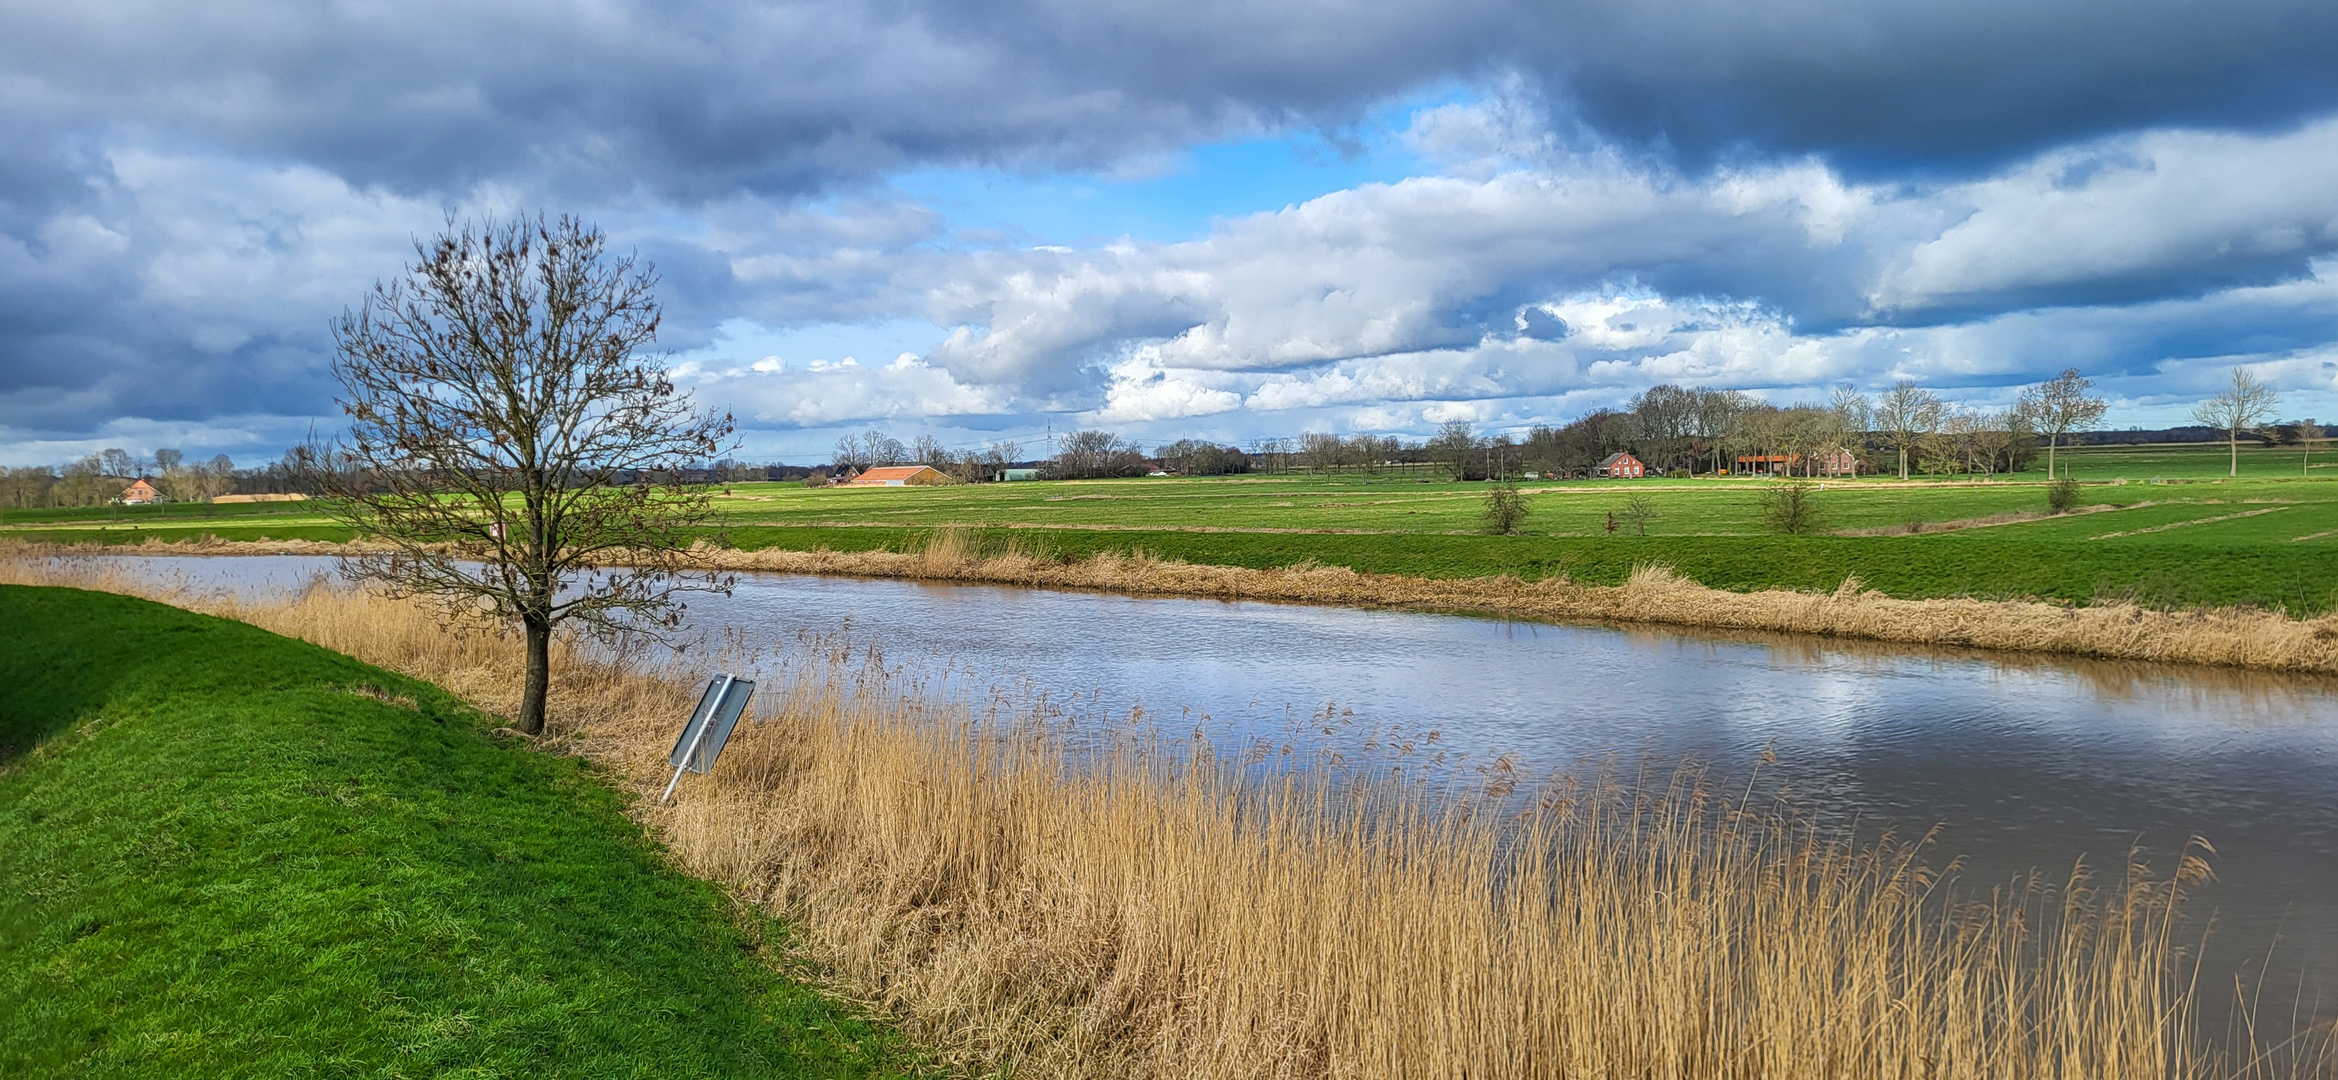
(224, 852)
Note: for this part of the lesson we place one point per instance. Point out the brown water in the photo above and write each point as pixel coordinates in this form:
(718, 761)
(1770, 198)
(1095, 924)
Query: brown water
(2023, 763)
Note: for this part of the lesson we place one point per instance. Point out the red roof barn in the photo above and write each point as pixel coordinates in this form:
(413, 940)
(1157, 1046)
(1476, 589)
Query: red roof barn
(900, 476)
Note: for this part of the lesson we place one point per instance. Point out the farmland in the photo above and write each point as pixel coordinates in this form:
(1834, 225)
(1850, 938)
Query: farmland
(2160, 525)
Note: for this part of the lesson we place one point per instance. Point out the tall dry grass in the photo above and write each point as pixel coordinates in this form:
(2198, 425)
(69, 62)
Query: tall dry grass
(1155, 911)
(2263, 640)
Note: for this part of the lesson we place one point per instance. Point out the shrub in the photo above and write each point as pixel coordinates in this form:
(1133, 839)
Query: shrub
(1791, 507)
(1505, 509)
(2062, 496)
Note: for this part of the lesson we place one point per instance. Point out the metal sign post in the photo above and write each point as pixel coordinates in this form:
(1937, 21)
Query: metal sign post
(709, 728)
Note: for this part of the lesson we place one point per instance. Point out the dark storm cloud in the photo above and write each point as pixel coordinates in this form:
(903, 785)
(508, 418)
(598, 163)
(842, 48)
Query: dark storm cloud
(692, 99)
(1880, 87)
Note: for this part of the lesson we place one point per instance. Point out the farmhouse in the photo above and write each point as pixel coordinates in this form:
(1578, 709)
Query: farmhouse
(900, 476)
(1836, 462)
(140, 494)
(1621, 466)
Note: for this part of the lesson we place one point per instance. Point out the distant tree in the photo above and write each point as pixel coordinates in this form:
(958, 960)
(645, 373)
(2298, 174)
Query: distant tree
(2001, 439)
(1665, 418)
(2245, 403)
(1637, 513)
(2307, 433)
(1200, 457)
(1091, 454)
(2059, 406)
(1905, 414)
(505, 430)
(115, 461)
(1791, 507)
(1454, 447)
(1718, 415)
(870, 450)
(1505, 509)
(929, 451)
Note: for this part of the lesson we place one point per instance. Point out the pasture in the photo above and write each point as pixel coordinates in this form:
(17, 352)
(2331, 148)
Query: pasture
(2159, 525)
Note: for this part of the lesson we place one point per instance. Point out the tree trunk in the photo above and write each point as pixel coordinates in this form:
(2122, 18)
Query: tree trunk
(539, 634)
(2050, 441)
(2233, 439)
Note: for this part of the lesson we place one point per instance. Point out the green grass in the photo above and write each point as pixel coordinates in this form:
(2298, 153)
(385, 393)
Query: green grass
(2185, 534)
(225, 855)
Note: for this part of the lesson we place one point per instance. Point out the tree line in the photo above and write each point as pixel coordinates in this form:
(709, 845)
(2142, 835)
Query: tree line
(100, 478)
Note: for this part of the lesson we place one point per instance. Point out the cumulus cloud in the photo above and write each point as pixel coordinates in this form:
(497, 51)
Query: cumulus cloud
(822, 392)
(1594, 273)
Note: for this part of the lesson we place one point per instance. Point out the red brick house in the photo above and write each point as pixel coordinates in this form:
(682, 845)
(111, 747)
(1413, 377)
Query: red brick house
(1621, 467)
(140, 494)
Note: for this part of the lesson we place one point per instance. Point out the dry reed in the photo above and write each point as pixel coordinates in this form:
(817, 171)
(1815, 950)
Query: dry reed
(1151, 912)
(2228, 637)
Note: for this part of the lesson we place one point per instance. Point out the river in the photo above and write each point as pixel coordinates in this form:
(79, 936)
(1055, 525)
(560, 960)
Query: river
(2022, 762)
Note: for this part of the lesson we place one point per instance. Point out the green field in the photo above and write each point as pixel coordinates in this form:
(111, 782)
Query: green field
(233, 854)
(2162, 525)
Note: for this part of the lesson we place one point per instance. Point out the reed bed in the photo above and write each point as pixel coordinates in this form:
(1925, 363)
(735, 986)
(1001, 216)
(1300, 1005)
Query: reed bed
(2228, 637)
(1147, 909)
(2225, 637)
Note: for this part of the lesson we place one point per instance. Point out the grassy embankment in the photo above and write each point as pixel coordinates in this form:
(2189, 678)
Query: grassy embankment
(2268, 540)
(231, 853)
(1139, 915)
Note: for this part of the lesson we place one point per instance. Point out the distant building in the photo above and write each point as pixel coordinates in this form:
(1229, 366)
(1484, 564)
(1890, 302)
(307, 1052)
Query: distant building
(900, 476)
(1621, 467)
(286, 496)
(1016, 474)
(140, 494)
(1832, 463)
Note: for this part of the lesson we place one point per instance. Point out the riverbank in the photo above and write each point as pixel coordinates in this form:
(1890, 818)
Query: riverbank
(1654, 595)
(1134, 915)
(231, 853)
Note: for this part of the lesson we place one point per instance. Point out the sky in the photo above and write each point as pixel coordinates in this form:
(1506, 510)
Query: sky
(1003, 221)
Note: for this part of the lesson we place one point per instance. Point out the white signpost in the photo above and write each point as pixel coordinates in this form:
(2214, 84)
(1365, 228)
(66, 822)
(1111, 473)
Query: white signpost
(709, 728)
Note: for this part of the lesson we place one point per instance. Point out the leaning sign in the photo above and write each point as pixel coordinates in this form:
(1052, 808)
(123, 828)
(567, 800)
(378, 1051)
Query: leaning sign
(709, 728)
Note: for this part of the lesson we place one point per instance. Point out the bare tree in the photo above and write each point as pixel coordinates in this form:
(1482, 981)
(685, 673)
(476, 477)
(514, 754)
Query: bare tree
(1452, 447)
(507, 435)
(1907, 413)
(2245, 403)
(1637, 512)
(2059, 406)
(1090, 454)
(863, 452)
(2307, 432)
(1997, 435)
